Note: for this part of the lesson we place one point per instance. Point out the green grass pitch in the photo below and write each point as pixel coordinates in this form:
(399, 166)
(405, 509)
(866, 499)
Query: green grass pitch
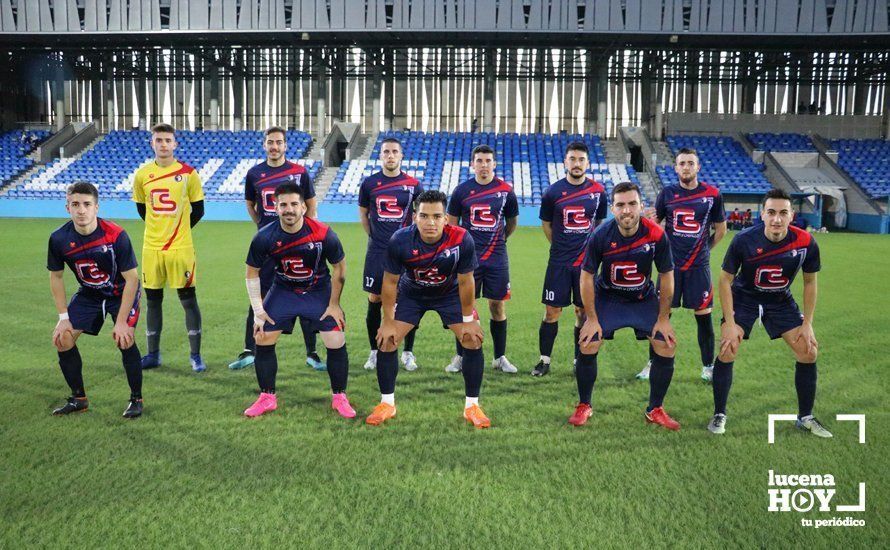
(194, 472)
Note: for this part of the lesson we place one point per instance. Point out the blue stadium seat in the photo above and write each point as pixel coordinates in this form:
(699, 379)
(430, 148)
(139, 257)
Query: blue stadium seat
(724, 164)
(867, 161)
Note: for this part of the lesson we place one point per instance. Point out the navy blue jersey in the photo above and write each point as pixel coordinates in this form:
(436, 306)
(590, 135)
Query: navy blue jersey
(261, 181)
(572, 211)
(483, 210)
(390, 204)
(764, 270)
(688, 215)
(97, 259)
(627, 261)
(430, 270)
(300, 258)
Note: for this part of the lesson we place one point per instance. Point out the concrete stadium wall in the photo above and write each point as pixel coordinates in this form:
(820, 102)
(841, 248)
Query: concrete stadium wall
(828, 126)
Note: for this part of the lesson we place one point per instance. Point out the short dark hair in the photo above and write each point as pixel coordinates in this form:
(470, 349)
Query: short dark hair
(163, 128)
(431, 196)
(83, 188)
(686, 151)
(775, 193)
(288, 188)
(275, 130)
(481, 149)
(577, 146)
(392, 140)
(624, 187)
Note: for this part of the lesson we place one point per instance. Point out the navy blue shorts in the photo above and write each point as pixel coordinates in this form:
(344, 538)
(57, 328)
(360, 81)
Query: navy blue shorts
(284, 306)
(777, 318)
(615, 314)
(87, 313)
(372, 279)
(492, 282)
(411, 310)
(694, 288)
(562, 286)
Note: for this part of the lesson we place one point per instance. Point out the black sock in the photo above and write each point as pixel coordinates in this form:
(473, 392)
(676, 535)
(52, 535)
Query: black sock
(154, 318)
(132, 361)
(705, 338)
(585, 374)
(189, 302)
(659, 380)
(722, 382)
(498, 337)
(577, 335)
(805, 383)
(309, 339)
(372, 321)
(472, 370)
(458, 347)
(387, 370)
(652, 354)
(409, 339)
(266, 364)
(249, 342)
(546, 336)
(72, 369)
(338, 368)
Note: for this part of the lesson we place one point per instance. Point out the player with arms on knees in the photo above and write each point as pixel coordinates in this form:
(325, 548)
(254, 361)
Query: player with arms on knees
(570, 209)
(304, 288)
(760, 265)
(618, 292)
(429, 267)
(688, 211)
(385, 205)
(486, 206)
(259, 197)
(169, 197)
(100, 255)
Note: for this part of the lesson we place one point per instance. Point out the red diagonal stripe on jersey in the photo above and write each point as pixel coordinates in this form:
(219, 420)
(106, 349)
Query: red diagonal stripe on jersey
(502, 187)
(185, 169)
(801, 239)
(317, 232)
(398, 183)
(692, 256)
(580, 258)
(173, 236)
(708, 191)
(454, 235)
(92, 244)
(490, 249)
(586, 191)
(295, 169)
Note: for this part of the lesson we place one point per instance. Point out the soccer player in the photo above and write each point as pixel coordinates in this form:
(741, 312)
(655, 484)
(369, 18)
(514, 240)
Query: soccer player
(689, 211)
(622, 295)
(169, 197)
(486, 206)
(755, 283)
(259, 195)
(385, 205)
(429, 266)
(570, 209)
(303, 288)
(102, 259)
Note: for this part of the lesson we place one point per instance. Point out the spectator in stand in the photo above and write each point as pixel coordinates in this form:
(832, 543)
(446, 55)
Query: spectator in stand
(747, 219)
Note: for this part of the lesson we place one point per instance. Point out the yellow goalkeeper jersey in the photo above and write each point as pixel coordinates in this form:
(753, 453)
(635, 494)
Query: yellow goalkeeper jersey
(167, 194)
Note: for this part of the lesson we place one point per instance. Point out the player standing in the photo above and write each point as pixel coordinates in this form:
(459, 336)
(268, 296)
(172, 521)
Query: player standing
(303, 288)
(623, 250)
(688, 211)
(429, 267)
(755, 283)
(259, 195)
(385, 205)
(102, 259)
(486, 206)
(169, 197)
(570, 209)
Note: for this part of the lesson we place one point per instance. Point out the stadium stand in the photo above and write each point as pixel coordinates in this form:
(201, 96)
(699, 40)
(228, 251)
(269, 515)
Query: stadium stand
(867, 161)
(724, 163)
(782, 142)
(221, 157)
(441, 160)
(14, 149)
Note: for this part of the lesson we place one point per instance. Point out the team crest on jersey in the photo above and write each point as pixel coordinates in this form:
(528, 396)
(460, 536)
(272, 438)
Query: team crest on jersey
(646, 247)
(188, 275)
(178, 178)
(311, 245)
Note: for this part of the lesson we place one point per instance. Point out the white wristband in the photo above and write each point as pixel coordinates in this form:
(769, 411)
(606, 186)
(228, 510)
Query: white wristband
(63, 316)
(469, 318)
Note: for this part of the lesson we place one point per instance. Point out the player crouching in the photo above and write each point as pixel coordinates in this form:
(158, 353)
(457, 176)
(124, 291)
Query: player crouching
(429, 266)
(300, 249)
(102, 259)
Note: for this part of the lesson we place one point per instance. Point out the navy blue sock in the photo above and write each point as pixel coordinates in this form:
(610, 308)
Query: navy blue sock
(72, 369)
(249, 342)
(585, 374)
(472, 370)
(659, 380)
(308, 328)
(132, 361)
(266, 365)
(652, 354)
(705, 338)
(577, 333)
(805, 383)
(409, 339)
(458, 347)
(498, 337)
(372, 322)
(722, 382)
(387, 370)
(338, 368)
(546, 336)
